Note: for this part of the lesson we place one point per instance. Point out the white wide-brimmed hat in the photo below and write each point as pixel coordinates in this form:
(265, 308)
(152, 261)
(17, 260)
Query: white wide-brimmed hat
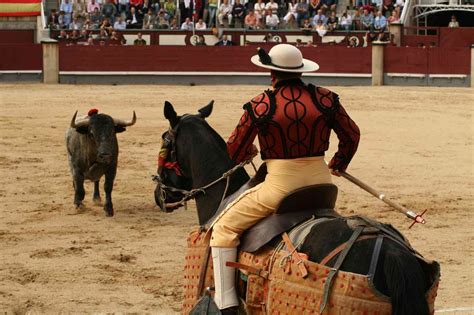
(285, 58)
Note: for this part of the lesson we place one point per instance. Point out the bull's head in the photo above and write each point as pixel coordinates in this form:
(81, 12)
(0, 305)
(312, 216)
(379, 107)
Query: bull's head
(101, 129)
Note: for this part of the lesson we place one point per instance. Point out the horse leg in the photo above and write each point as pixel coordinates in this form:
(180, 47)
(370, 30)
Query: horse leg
(96, 198)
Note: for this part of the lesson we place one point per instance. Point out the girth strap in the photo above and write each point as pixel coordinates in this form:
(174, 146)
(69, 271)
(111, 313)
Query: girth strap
(375, 257)
(337, 266)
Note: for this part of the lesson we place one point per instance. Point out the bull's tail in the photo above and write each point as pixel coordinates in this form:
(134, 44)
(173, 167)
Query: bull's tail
(406, 282)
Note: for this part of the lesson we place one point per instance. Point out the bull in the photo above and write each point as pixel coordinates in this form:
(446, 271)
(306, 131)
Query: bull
(92, 149)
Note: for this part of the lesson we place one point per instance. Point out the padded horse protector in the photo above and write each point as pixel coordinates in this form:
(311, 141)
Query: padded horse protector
(300, 205)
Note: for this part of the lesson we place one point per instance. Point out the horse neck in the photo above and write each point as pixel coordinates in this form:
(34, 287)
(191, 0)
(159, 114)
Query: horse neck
(206, 163)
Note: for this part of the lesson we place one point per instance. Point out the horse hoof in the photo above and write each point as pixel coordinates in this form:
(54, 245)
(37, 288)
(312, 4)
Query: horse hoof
(109, 212)
(97, 201)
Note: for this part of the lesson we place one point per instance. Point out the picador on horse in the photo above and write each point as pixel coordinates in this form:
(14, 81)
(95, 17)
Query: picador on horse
(326, 263)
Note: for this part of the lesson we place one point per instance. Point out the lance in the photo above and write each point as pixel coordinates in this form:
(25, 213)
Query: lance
(417, 218)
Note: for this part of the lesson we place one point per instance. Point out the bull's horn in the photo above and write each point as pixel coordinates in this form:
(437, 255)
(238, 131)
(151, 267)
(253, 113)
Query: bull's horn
(122, 123)
(76, 124)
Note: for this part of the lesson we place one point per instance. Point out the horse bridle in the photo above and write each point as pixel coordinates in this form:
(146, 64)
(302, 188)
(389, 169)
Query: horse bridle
(169, 143)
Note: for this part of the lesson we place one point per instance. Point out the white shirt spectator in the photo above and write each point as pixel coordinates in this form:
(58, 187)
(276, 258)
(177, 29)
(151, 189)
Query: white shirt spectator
(120, 25)
(225, 9)
(272, 20)
(400, 3)
(291, 11)
(272, 6)
(187, 26)
(201, 25)
(345, 20)
(259, 9)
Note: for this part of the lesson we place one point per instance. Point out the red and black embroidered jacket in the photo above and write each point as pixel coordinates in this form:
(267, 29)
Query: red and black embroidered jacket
(292, 121)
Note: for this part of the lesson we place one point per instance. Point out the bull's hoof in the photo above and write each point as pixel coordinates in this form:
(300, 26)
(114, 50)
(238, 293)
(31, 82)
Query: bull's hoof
(97, 201)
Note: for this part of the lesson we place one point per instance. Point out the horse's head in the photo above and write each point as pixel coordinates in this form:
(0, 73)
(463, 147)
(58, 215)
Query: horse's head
(174, 170)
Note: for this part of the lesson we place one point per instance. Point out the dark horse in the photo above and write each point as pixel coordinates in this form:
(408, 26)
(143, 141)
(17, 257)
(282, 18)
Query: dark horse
(202, 156)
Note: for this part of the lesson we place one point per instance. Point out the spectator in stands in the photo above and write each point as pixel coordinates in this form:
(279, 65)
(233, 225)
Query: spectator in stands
(90, 41)
(66, 7)
(109, 10)
(123, 6)
(201, 41)
(319, 17)
(454, 22)
(161, 21)
(96, 19)
(63, 36)
(272, 7)
(120, 24)
(346, 21)
(138, 4)
(149, 20)
(134, 19)
(310, 44)
(380, 24)
(306, 26)
(224, 42)
(328, 5)
(92, 5)
(238, 14)
(84, 35)
(251, 21)
(174, 24)
(170, 8)
(106, 25)
(212, 9)
(313, 7)
(103, 35)
(291, 11)
(367, 20)
(394, 18)
(187, 25)
(259, 9)
(53, 21)
(356, 24)
(301, 11)
(117, 39)
(62, 20)
(333, 21)
(139, 41)
(77, 9)
(321, 28)
(400, 4)
(75, 25)
(74, 35)
(271, 20)
(225, 12)
(200, 25)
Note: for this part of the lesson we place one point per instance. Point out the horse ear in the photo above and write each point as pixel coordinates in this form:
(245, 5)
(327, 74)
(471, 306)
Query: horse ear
(206, 110)
(169, 112)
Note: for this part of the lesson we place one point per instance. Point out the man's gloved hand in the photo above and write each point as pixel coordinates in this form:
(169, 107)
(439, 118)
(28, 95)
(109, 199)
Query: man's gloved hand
(334, 168)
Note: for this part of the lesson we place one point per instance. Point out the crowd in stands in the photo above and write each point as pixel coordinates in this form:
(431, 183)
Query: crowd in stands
(205, 14)
(321, 16)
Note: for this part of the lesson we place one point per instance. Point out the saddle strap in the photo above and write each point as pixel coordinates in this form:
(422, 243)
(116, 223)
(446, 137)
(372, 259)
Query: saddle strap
(375, 257)
(256, 271)
(338, 249)
(295, 256)
(329, 280)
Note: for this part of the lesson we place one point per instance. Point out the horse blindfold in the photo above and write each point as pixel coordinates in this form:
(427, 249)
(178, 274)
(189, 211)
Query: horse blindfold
(167, 155)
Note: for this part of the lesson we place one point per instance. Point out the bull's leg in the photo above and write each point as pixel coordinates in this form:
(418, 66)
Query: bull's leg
(108, 185)
(96, 197)
(79, 189)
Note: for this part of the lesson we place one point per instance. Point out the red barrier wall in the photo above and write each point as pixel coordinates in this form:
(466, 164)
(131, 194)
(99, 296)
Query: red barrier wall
(405, 60)
(456, 37)
(434, 60)
(17, 36)
(190, 58)
(21, 57)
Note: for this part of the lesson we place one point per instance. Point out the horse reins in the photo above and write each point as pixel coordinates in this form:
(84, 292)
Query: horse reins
(191, 194)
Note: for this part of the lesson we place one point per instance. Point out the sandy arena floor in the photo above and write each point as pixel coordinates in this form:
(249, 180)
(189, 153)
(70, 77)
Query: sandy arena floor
(417, 147)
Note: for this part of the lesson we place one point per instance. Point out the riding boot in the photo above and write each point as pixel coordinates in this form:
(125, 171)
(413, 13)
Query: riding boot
(224, 278)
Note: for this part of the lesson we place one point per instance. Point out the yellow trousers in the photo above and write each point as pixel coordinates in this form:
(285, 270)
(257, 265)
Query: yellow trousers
(284, 176)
